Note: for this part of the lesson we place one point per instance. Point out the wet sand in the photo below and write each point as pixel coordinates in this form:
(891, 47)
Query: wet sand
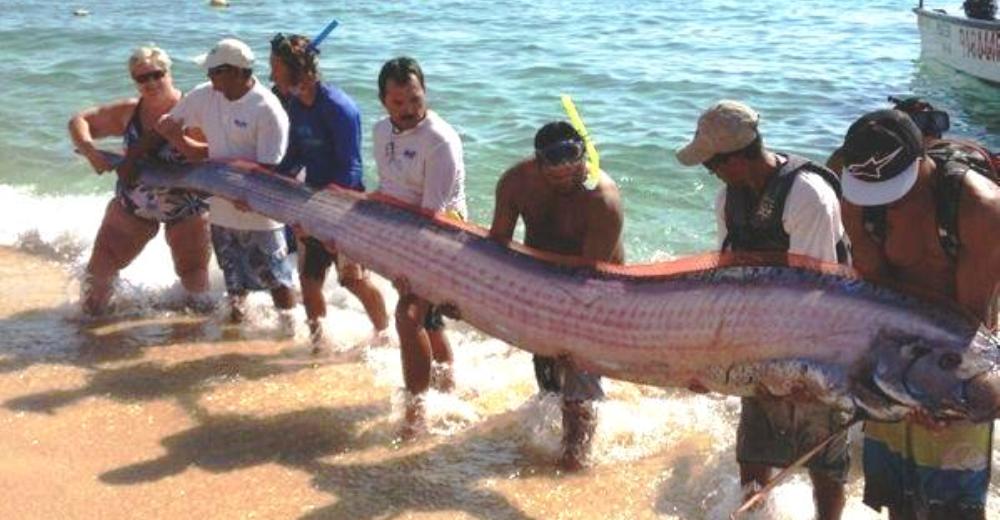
(173, 415)
(148, 419)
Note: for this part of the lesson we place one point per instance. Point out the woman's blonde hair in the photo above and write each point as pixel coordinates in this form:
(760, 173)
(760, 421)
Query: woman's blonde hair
(152, 54)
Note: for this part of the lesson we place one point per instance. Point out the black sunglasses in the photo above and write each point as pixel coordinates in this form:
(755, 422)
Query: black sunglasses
(561, 152)
(932, 122)
(718, 159)
(154, 75)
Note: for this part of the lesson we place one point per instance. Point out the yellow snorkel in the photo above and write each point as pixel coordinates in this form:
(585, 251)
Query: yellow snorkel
(593, 160)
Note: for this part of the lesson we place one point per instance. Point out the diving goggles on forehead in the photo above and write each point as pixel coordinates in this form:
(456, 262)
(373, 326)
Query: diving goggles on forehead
(282, 44)
(280, 40)
(932, 122)
(561, 152)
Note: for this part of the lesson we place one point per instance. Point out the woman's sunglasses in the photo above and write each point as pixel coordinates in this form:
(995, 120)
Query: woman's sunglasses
(154, 75)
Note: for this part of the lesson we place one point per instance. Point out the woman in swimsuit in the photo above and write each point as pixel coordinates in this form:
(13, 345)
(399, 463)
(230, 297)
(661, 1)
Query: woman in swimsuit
(134, 215)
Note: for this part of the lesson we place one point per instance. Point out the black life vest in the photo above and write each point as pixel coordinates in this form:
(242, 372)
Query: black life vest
(953, 160)
(755, 223)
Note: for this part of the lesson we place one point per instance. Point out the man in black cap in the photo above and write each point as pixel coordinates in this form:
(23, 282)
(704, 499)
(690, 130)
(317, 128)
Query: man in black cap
(892, 211)
(933, 123)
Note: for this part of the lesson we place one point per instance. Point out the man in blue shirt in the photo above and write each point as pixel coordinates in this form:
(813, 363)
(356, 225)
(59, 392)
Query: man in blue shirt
(325, 142)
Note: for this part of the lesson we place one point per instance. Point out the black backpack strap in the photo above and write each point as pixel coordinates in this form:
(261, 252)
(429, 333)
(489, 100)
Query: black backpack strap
(947, 193)
(737, 215)
(873, 219)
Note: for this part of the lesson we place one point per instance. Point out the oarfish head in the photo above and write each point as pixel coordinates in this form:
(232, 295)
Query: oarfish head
(948, 380)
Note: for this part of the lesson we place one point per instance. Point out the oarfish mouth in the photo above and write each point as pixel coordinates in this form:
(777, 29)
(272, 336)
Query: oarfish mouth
(982, 396)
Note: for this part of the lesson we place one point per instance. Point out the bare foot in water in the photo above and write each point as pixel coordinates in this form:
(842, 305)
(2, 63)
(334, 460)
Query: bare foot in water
(415, 420)
(442, 377)
(570, 462)
(377, 339)
(380, 338)
(579, 423)
(321, 344)
(236, 313)
(199, 303)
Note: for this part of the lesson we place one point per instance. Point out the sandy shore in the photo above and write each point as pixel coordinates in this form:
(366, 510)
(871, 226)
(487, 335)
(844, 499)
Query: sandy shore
(178, 417)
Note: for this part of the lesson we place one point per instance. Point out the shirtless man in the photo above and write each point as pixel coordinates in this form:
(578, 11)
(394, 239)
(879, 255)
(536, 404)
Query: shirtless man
(919, 468)
(561, 216)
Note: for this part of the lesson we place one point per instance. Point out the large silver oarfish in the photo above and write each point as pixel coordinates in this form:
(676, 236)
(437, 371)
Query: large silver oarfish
(734, 325)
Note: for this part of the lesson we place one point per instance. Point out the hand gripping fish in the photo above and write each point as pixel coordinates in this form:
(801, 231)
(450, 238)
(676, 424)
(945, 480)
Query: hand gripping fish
(734, 324)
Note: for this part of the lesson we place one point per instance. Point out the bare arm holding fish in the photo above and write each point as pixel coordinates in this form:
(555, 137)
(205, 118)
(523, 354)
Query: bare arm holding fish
(978, 271)
(97, 122)
(183, 139)
(505, 211)
(605, 217)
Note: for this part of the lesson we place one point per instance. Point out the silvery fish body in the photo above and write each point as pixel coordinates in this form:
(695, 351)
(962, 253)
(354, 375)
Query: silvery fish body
(732, 324)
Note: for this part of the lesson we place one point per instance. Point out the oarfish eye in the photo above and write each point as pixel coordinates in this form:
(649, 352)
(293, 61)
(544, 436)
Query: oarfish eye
(917, 350)
(949, 361)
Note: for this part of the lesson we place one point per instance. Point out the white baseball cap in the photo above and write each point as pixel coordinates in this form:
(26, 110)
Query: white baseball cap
(228, 51)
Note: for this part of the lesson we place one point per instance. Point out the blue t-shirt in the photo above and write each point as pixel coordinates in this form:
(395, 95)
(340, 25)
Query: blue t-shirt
(325, 138)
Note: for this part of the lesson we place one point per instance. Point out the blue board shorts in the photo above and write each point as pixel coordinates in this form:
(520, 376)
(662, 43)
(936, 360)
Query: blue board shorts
(775, 432)
(252, 260)
(933, 474)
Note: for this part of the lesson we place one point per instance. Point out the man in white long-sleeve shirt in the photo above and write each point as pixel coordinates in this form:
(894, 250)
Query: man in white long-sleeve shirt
(419, 160)
(774, 202)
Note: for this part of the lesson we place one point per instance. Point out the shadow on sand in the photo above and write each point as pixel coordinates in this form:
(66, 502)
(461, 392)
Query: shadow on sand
(232, 442)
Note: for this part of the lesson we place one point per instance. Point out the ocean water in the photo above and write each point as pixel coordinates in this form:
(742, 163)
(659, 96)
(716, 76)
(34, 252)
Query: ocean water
(640, 73)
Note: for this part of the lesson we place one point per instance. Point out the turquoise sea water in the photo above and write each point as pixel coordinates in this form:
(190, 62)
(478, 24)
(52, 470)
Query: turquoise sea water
(640, 72)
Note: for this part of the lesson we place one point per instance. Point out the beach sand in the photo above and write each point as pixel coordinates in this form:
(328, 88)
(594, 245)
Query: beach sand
(163, 414)
(181, 417)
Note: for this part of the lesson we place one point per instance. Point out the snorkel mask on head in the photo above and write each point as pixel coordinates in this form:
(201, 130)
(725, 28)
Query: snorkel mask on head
(289, 49)
(561, 152)
(932, 122)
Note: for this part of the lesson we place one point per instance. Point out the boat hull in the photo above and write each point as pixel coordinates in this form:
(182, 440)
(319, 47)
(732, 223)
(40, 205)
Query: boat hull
(971, 46)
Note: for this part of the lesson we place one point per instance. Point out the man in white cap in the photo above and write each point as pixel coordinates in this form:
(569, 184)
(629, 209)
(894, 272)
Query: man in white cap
(930, 224)
(774, 202)
(241, 120)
